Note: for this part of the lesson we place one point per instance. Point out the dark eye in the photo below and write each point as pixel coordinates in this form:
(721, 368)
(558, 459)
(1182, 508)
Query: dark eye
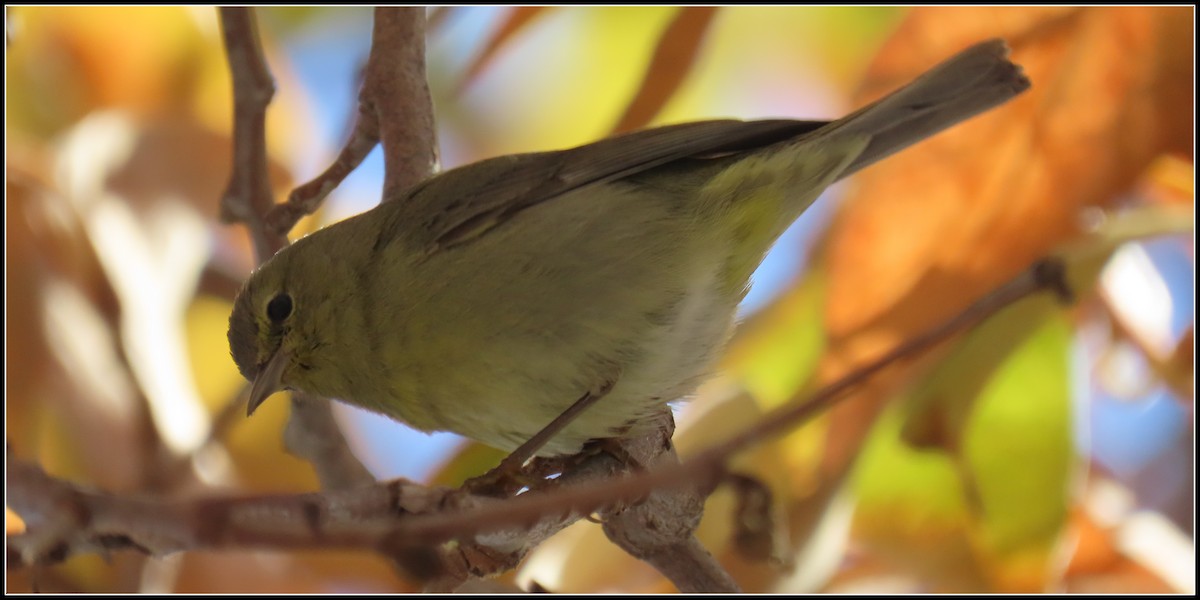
(279, 308)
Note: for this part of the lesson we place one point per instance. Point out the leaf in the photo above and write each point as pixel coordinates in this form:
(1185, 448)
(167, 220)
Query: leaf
(934, 228)
(673, 59)
(1125, 577)
(939, 406)
(930, 230)
(66, 397)
(998, 409)
(911, 509)
(260, 463)
(998, 482)
(518, 19)
(1096, 551)
(938, 225)
(1019, 462)
(1170, 180)
(13, 525)
(70, 61)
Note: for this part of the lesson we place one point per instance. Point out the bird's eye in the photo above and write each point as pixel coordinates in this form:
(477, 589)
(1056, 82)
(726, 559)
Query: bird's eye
(279, 307)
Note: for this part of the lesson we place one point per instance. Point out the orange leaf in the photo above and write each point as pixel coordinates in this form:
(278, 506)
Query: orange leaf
(518, 19)
(1170, 180)
(13, 525)
(110, 56)
(939, 225)
(974, 205)
(673, 60)
(1094, 551)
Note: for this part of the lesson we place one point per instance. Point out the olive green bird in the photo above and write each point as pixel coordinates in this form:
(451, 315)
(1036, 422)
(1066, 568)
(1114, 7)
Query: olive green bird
(490, 298)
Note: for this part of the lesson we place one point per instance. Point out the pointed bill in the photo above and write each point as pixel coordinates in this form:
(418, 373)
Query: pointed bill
(268, 381)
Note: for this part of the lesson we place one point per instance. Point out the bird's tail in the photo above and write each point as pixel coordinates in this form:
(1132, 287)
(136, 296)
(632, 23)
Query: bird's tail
(774, 184)
(971, 82)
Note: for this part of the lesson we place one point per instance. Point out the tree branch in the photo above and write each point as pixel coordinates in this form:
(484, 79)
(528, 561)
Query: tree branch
(313, 434)
(397, 91)
(394, 106)
(64, 519)
(399, 516)
(660, 530)
(248, 196)
(305, 199)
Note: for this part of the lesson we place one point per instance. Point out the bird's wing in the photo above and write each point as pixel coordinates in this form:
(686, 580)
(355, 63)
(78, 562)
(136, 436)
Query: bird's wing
(473, 199)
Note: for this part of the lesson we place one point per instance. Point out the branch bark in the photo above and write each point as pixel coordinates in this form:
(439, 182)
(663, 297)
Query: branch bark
(397, 92)
(394, 106)
(248, 196)
(660, 530)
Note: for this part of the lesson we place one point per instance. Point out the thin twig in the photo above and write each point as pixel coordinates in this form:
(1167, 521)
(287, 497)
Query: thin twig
(394, 106)
(248, 196)
(305, 199)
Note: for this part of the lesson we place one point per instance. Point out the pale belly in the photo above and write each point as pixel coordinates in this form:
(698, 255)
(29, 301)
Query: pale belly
(626, 293)
(505, 402)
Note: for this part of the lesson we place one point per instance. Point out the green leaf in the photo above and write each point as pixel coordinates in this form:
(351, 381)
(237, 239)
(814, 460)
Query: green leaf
(981, 449)
(1019, 456)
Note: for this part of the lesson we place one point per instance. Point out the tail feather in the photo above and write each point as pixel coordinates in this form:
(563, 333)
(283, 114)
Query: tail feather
(971, 82)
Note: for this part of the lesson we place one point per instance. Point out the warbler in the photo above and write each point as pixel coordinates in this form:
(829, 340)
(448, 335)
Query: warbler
(488, 299)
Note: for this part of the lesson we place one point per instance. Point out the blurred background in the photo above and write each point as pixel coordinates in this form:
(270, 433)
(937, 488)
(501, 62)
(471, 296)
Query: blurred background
(1049, 450)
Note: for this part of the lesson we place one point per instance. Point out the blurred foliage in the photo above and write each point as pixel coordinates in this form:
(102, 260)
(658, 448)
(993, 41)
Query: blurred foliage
(964, 471)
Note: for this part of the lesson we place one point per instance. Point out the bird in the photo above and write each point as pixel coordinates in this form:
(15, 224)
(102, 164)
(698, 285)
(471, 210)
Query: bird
(489, 299)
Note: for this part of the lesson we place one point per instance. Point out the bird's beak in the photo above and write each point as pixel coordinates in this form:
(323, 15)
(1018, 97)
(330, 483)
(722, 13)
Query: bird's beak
(268, 380)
